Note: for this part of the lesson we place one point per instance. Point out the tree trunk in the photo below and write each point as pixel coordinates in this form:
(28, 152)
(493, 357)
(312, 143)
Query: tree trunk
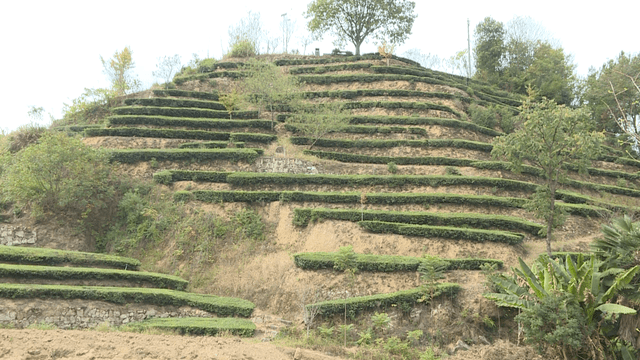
(552, 206)
(358, 48)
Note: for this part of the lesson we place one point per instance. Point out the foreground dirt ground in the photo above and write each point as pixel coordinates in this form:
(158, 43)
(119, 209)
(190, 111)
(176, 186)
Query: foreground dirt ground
(87, 345)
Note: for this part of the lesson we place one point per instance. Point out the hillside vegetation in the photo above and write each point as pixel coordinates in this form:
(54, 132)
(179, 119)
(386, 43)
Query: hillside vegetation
(369, 189)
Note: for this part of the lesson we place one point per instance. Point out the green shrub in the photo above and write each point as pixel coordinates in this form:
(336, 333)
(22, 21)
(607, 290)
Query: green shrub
(242, 49)
(59, 175)
(450, 170)
(249, 225)
(482, 116)
(182, 112)
(22, 137)
(392, 168)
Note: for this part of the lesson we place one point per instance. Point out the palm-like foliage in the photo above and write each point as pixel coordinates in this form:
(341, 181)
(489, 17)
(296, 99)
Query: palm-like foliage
(620, 244)
(589, 283)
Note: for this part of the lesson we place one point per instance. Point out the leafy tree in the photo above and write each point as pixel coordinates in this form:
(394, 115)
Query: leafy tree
(119, 71)
(166, 67)
(58, 175)
(356, 20)
(316, 120)
(489, 49)
(552, 74)
(246, 35)
(268, 87)
(551, 135)
(613, 95)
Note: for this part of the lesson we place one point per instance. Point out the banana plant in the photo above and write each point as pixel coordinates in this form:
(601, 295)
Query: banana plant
(589, 286)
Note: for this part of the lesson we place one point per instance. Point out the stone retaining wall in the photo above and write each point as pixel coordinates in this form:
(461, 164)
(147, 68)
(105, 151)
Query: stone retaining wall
(284, 165)
(17, 235)
(83, 314)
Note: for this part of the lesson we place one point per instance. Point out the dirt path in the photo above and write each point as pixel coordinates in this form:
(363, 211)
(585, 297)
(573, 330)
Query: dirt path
(86, 345)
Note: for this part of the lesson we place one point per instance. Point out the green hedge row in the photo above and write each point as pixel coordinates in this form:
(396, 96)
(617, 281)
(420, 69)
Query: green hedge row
(180, 103)
(222, 306)
(210, 145)
(489, 165)
(248, 179)
(42, 256)
(328, 60)
(384, 263)
(168, 177)
(627, 161)
(443, 232)
(186, 93)
(404, 300)
(198, 326)
(179, 80)
(76, 128)
(214, 196)
(188, 122)
(435, 143)
(352, 94)
(78, 273)
(483, 92)
(136, 155)
(302, 217)
(410, 120)
(158, 133)
(250, 137)
(328, 68)
(184, 112)
(359, 129)
(413, 105)
(398, 160)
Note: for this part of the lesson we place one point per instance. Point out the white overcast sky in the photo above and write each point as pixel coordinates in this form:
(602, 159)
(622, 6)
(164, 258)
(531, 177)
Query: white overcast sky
(51, 49)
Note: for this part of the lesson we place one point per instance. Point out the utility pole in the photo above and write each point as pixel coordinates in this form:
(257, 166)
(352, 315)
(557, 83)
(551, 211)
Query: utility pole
(468, 52)
(284, 29)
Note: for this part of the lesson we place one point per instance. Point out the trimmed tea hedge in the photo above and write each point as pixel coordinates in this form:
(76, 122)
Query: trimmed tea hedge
(384, 263)
(168, 177)
(404, 300)
(302, 217)
(399, 160)
(179, 80)
(78, 273)
(181, 103)
(352, 94)
(249, 137)
(400, 105)
(335, 59)
(359, 129)
(248, 179)
(188, 122)
(186, 93)
(328, 68)
(130, 156)
(409, 120)
(215, 196)
(435, 143)
(198, 325)
(183, 112)
(76, 128)
(222, 306)
(210, 145)
(158, 133)
(41, 256)
(443, 232)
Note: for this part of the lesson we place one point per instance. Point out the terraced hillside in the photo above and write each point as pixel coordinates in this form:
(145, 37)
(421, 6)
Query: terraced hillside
(411, 175)
(72, 289)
